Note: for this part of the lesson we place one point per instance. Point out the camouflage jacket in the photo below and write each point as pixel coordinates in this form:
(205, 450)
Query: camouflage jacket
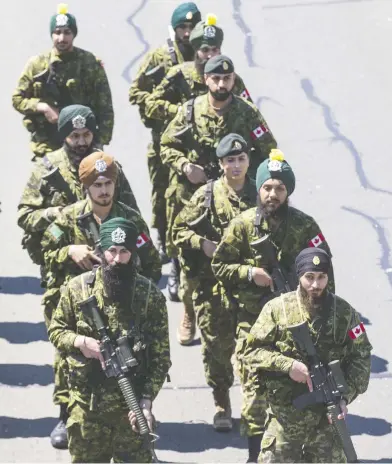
(235, 255)
(34, 213)
(151, 72)
(270, 348)
(180, 84)
(226, 204)
(144, 321)
(78, 78)
(196, 141)
(66, 231)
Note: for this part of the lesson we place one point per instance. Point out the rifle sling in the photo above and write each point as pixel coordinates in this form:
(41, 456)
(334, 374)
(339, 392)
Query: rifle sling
(209, 194)
(189, 110)
(172, 51)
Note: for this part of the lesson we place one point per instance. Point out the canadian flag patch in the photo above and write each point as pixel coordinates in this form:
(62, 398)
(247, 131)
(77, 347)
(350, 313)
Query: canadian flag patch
(142, 240)
(245, 94)
(259, 132)
(317, 240)
(357, 331)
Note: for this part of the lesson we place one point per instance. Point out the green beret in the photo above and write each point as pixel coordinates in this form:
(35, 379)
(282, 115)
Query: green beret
(75, 117)
(219, 64)
(276, 168)
(186, 12)
(231, 144)
(118, 232)
(206, 33)
(63, 19)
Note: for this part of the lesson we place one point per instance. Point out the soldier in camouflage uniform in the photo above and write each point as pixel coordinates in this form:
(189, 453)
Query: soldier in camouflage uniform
(306, 435)
(64, 76)
(186, 80)
(217, 203)
(69, 251)
(188, 148)
(244, 271)
(42, 199)
(154, 67)
(131, 305)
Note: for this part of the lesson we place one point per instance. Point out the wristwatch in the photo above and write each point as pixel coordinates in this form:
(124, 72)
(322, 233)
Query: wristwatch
(250, 274)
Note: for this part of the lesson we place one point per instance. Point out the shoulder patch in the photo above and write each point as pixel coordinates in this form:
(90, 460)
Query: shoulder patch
(55, 232)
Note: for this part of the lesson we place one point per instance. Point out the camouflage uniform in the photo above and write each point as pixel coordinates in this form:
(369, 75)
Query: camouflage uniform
(98, 427)
(270, 353)
(180, 84)
(77, 77)
(216, 324)
(151, 72)
(230, 264)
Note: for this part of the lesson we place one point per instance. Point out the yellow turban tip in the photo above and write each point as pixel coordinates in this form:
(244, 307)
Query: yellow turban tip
(276, 155)
(62, 8)
(211, 19)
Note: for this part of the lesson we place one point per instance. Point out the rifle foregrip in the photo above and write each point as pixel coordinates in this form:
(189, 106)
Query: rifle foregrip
(133, 404)
(342, 431)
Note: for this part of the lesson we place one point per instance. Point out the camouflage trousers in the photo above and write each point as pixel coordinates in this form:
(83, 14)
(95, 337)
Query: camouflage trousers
(159, 177)
(299, 436)
(186, 288)
(94, 437)
(254, 402)
(216, 325)
(60, 393)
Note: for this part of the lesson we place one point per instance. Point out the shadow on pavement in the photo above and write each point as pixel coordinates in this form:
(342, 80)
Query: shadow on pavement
(379, 364)
(377, 460)
(23, 332)
(21, 285)
(372, 426)
(194, 437)
(12, 427)
(26, 374)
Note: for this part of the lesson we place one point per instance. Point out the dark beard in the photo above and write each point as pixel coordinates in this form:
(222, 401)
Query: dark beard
(118, 281)
(312, 305)
(220, 96)
(278, 214)
(76, 156)
(186, 50)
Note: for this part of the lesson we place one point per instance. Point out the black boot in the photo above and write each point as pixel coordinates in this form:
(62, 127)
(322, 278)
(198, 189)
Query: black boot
(254, 447)
(173, 280)
(161, 245)
(58, 437)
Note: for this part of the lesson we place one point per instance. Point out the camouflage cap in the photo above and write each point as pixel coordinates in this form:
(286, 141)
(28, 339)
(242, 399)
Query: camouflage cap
(118, 232)
(231, 144)
(63, 19)
(186, 12)
(75, 117)
(219, 64)
(96, 165)
(275, 167)
(206, 33)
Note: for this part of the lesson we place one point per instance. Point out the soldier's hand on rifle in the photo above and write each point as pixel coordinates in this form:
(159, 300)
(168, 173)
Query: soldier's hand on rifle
(90, 348)
(51, 114)
(261, 278)
(343, 408)
(208, 247)
(300, 373)
(83, 256)
(145, 406)
(195, 173)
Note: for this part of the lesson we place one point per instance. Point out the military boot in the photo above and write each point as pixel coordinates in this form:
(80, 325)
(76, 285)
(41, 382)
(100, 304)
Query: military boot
(58, 437)
(254, 447)
(186, 331)
(222, 418)
(161, 245)
(173, 281)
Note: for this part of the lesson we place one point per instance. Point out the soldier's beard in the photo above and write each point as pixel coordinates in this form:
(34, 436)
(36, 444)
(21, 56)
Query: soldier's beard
(76, 154)
(118, 281)
(220, 96)
(311, 303)
(274, 214)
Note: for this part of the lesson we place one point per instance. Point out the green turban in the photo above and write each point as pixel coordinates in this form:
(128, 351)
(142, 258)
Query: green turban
(75, 117)
(276, 168)
(206, 33)
(118, 232)
(219, 64)
(186, 12)
(231, 144)
(63, 19)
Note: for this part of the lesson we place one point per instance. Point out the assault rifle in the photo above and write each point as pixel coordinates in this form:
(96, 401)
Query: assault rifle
(329, 386)
(56, 180)
(202, 225)
(281, 280)
(119, 363)
(87, 222)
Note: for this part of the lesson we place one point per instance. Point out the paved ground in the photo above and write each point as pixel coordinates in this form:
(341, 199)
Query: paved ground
(320, 72)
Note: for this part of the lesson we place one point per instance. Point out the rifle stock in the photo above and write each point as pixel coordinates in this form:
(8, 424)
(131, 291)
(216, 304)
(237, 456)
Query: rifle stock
(87, 222)
(203, 227)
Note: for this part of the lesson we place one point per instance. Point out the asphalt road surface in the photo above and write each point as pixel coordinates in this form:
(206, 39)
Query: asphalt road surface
(321, 73)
